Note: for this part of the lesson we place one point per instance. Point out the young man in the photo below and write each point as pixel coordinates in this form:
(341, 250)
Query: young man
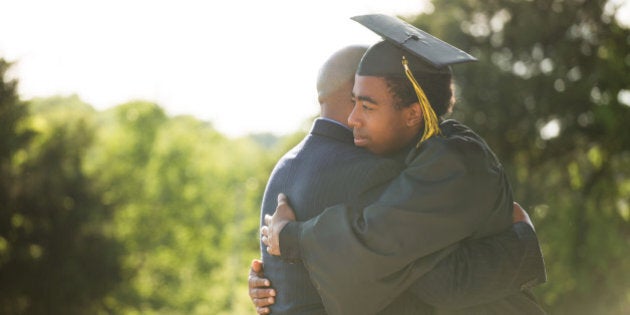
(361, 256)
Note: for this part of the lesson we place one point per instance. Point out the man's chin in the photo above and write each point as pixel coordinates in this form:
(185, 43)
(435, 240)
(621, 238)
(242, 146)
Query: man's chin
(361, 142)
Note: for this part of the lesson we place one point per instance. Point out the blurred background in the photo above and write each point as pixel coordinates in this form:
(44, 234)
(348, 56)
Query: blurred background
(134, 153)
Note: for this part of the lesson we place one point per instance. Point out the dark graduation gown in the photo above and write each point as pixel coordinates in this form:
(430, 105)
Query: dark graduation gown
(361, 257)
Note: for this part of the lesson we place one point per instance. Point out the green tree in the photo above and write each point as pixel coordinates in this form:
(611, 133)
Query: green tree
(13, 139)
(56, 256)
(187, 201)
(550, 95)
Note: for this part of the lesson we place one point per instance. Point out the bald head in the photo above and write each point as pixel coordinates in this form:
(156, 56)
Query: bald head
(339, 69)
(335, 80)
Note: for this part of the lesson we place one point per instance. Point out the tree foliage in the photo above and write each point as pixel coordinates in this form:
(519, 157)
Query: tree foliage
(55, 255)
(550, 94)
(187, 202)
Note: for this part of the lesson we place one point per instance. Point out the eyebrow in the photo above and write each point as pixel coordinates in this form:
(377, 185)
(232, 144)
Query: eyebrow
(365, 98)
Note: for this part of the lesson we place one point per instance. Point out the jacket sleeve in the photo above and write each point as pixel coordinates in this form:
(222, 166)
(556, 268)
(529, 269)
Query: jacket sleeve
(483, 270)
(361, 259)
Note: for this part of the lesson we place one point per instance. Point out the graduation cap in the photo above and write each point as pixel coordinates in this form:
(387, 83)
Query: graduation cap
(423, 51)
(406, 50)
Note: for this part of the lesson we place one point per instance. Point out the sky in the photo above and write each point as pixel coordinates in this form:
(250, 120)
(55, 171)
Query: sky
(246, 66)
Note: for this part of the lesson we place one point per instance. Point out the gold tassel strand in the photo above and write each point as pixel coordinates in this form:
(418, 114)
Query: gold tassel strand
(431, 123)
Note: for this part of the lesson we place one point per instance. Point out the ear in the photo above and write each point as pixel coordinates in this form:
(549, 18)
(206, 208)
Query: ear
(413, 115)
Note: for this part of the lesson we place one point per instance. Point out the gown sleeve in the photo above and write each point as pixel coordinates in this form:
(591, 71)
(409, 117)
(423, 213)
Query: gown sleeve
(361, 258)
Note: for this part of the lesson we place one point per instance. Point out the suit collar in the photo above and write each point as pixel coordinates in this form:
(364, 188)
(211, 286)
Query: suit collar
(331, 129)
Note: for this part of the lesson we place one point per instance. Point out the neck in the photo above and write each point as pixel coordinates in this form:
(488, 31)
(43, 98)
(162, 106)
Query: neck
(327, 112)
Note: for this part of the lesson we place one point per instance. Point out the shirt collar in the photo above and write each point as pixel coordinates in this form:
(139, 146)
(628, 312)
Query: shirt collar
(334, 121)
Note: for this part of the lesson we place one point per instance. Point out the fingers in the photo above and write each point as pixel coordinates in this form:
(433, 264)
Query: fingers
(264, 235)
(262, 297)
(282, 198)
(273, 250)
(257, 266)
(267, 219)
(260, 293)
(263, 310)
(256, 282)
(284, 210)
(256, 279)
(262, 305)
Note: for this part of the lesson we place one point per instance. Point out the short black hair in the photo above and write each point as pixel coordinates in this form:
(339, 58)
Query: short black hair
(438, 87)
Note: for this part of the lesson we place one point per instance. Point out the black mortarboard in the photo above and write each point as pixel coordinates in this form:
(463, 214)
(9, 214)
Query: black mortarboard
(425, 52)
(404, 51)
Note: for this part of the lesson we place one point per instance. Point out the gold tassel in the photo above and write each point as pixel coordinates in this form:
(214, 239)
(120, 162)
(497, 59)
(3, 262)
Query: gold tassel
(431, 123)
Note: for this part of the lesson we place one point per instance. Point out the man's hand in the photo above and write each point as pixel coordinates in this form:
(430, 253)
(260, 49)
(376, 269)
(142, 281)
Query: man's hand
(519, 215)
(274, 224)
(259, 291)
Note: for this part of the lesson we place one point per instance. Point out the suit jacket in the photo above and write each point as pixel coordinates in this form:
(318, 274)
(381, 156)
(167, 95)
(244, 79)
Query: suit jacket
(452, 190)
(322, 170)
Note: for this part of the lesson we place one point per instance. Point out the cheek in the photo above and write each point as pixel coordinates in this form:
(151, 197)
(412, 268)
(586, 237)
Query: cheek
(391, 123)
(382, 130)
(393, 129)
